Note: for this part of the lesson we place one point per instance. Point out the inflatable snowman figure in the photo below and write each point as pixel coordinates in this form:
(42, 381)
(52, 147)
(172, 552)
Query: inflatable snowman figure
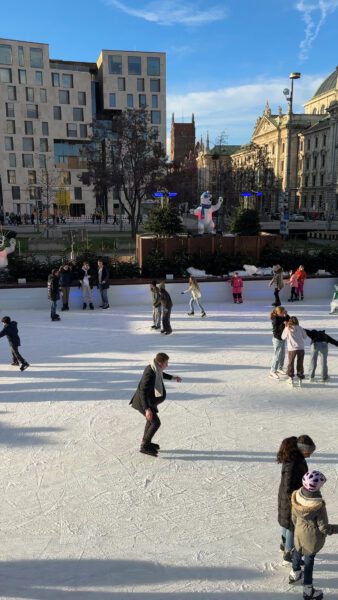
(5, 250)
(204, 213)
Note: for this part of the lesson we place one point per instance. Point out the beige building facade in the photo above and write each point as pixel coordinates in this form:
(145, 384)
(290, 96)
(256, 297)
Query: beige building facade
(46, 111)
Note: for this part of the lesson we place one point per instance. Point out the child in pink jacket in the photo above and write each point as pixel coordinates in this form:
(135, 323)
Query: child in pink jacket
(293, 281)
(236, 283)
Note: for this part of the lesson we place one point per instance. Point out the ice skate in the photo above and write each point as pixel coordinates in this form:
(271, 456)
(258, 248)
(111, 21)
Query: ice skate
(203, 314)
(273, 375)
(148, 449)
(84, 306)
(290, 380)
(91, 306)
(300, 383)
(24, 366)
(309, 593)
(281, 371)
(190, 314)
(287, 559)
(295, 576)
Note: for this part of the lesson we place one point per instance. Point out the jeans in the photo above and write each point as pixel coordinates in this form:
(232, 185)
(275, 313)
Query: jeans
(53, 309)
(166, 312)
(151, 428)
(321, 348)
(279, 354)
(157, 316)
(277, 299)
(104, 295)
(308, 565)
(293, 354)
(192, 303)
(294, 294)
(288, 535)
(16, 356)
(65, 295)
(87, 291)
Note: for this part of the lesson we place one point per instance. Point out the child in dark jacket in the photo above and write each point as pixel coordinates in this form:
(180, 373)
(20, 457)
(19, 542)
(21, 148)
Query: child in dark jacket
(319, 346)
(311, 524)
(11, 331)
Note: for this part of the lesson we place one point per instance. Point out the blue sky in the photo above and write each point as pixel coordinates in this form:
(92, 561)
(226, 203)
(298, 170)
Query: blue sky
(225, 58)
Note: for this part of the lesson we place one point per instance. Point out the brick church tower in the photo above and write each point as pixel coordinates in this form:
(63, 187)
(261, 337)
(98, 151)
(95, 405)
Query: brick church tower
(182, 140)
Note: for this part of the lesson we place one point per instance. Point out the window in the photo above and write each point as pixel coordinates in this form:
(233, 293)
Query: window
(29, 94)
(35, 193)
(306, 181)
(10, 127)
(115, 65)
(156, 117)
(11, 176)
(67, 80)
(5, 75)
(28, 144)
(43, 145)
(323, 160)
(63, 97)
(43, 95)
(322, 180)
(21, 56)
(324, 139)
(12, 160)
(322, 109)
(142, 100)
(27, 161)
(32, 111)
(11, 92)
(42, 161)
(154, 101)
(81, 98)
(314, 112)
(316, 142)
(313, 202)
(5, 54)
(315, 162)
(134, 65)
(283, 148)
(130, 101)
(307, 164)
(57, 113)
(45, 128)
(28, 127)
(9, 109)
(38, 78)
(155, 85)
(9, 143)
(31, 177)
(16, 192)
(55, 80)
(78, 193)
(153, 66)
(308, 144)
(71, 129)
(22, 76)
(313, 180)
(36, 58)
(121, 84)
(112, 100)
(78, 114)
(65, 178)
(140, 84)
(83, 131)
(320, 201)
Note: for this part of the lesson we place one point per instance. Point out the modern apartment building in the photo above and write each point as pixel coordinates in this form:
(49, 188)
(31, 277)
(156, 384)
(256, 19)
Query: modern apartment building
(46, 111)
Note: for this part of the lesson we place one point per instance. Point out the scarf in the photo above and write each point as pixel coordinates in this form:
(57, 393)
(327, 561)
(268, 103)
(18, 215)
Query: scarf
(204, 207)
(159, 379)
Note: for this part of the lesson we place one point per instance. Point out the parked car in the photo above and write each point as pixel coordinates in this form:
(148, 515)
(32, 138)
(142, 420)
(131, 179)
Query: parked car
(297, 217)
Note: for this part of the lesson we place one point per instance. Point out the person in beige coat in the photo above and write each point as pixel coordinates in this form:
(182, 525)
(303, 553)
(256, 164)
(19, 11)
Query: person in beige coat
(311, 524)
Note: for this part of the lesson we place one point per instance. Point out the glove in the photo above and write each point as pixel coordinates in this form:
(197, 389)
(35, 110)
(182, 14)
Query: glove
(182, 293)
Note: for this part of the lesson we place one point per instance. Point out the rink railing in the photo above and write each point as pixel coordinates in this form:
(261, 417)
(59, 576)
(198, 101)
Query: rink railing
(138, 294)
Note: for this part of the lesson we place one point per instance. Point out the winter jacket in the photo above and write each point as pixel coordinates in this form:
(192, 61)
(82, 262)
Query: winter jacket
(194, 291)
(293, 281)
(236, 284)
(90, 273)
(53, 288)
(11, 331)
(65, 277)
(156, 297)
(144, 396)
(295, 337)
(278, 326)
(310, 521)
(165, 299)
(301, 275)
(104, 278)
(320, 336)
(291, 480)
(277, 279)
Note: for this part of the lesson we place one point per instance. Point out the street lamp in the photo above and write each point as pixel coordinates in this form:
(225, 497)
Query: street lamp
(285, 213)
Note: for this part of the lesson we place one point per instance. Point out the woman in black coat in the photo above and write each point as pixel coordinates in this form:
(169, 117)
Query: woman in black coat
(291, 456)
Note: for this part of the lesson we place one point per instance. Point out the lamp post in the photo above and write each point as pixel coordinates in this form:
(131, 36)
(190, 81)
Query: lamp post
(285, 213)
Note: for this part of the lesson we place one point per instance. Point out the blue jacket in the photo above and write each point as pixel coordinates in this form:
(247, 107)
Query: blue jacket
(11, 331)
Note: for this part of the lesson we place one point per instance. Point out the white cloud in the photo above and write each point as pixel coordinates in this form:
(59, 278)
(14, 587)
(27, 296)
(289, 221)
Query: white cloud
(235, 109)
(173, 12)
(314, 14)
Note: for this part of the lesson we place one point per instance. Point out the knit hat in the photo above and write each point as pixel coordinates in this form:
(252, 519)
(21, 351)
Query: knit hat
(313, 481)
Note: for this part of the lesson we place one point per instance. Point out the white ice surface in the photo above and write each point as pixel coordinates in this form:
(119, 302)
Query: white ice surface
(85, 516)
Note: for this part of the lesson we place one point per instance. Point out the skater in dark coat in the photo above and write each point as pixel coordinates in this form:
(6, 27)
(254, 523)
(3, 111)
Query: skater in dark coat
(291, 456)
(54, 293)
(319, 346)
(149, 394)
(167, 305)
(65, 280)
(10, 330)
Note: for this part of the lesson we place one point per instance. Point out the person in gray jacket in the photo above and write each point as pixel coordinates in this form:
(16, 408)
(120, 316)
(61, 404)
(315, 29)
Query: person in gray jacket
(311, 528)
(157, 311)
(278, 283)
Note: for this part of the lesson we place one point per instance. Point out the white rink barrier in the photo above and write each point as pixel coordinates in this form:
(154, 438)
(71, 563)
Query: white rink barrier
(318, 288)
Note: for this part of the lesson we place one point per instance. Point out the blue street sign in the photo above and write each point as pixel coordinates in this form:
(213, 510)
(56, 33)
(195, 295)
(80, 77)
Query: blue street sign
(259, 194)
(158, 194)
(172, 194)
(246, 194)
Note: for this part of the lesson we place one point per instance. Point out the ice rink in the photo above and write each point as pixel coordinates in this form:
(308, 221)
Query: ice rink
(85, 516)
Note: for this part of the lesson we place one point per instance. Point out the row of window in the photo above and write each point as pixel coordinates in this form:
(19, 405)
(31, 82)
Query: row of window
(31, 94)
(35, 56)
(134, 65)
(311, 202)
(315, 162)
(154, 85)
(27, 144)
(314, 180)
(142, 103)
(315, 142)
(27, 160)
(35, 192)
(32, 112)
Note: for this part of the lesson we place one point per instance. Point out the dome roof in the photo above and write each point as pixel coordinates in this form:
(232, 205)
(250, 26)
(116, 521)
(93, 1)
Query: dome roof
(330, 83)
